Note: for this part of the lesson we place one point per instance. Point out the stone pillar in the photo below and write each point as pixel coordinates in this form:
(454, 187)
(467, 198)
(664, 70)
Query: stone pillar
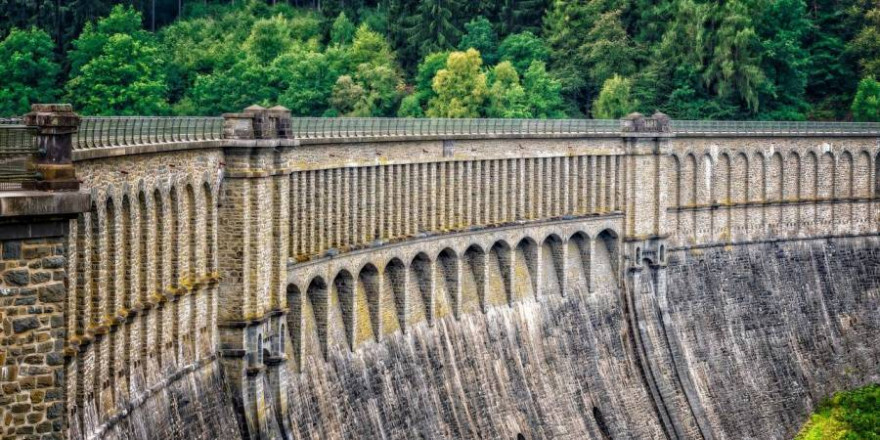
(56, 124)
(34, 253)
(251, 305)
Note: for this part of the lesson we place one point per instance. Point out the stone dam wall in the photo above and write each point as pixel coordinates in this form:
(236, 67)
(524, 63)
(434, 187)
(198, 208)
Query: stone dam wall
(640, 285)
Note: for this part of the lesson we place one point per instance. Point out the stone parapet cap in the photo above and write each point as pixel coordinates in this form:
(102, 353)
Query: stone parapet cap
(40, 203)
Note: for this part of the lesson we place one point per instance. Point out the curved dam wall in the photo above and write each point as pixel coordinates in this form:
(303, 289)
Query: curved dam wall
(550, 285)
(751, 336)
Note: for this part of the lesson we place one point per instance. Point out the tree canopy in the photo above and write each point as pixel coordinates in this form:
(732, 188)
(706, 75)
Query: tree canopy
(700, 59)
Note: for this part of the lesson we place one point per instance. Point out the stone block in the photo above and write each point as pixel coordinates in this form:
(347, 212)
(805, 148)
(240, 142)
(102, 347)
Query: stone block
(53, 293)
(17, 277)
(22, 325)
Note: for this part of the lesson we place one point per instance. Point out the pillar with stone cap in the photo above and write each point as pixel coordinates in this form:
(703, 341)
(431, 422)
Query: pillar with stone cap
(56, 125)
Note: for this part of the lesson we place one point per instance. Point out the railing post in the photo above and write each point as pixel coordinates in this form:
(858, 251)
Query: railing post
(55, 124)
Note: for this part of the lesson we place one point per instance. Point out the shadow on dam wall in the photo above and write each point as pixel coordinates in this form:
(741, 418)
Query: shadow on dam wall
(750, 336)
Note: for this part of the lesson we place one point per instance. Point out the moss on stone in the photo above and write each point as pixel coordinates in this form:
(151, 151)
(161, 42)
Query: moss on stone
(853, 414)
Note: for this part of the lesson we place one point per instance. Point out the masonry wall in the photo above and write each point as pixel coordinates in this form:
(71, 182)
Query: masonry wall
(32, 333)
(729, 189)
(143, 291)
(279, 257)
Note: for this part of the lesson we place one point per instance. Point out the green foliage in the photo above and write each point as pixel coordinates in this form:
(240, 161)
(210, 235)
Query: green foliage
(460, 87)
(342, 31)
(119, 68)
(28, 70)
(521, 49)
(866, 104)
(268, 39)
(481, 36)
(543, 92)
(507, 97)
(234, 89)
(615, 100)
(737, 59)
(432, 27)
(848, 415)
(866, 45)
(410, 107)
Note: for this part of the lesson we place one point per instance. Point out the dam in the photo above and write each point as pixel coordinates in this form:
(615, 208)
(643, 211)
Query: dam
(259, 276)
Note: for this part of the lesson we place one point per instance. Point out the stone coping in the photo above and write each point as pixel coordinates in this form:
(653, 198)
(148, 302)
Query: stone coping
(42, 203)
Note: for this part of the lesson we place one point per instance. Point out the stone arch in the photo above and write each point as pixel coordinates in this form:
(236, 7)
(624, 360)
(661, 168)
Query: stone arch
(126, 255)
(706, 180)
(295, 323)
(775, 178)
(739, 178)
(689, 181)
(369, 285)
(722, 195)
(826, 175)
(395, 284)
(674, 182)
(111, 260)
(422, 305)
(448, 268)
(95, 266)
(844, 175)
(526, 270)
(792, 173)
(473, 286)
(499, 276)
(158, 219)
(578, 263)
(605, 261)
(862, 175)
(175, 236)
(809, 171)
(143, 247)
(553, 265)
(210, 209)
(757, 181)
(192, 233)
(318, 297)
(344, 287)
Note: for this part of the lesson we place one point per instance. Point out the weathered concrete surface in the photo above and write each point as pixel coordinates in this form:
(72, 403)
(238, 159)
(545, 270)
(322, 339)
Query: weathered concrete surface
(762, 332)
(192, 404)
(549, 368)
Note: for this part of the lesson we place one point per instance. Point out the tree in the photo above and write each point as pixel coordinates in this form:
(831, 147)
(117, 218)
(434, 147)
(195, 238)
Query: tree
(370, 47)
(432, 27)
(866, 104)
(342, 31)
(268, 39)
(520, 15)
(118, 68)
(347, 94)
(783, 28)
(481, 36)
(507, 98)
(28, 70)
(231, 90)
(521, 49)
(543, 92)
(460, 87)
(410, 107)
(307, 79)
(866, 45)
(615, 99)
(427, 70)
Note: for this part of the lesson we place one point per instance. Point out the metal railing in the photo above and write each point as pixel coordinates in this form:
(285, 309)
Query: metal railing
(105, 132)
(17, 150)
(312, 128)
(774, 127)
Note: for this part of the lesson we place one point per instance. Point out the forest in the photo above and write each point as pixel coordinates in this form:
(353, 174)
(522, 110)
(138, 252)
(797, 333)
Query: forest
(692, 59)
